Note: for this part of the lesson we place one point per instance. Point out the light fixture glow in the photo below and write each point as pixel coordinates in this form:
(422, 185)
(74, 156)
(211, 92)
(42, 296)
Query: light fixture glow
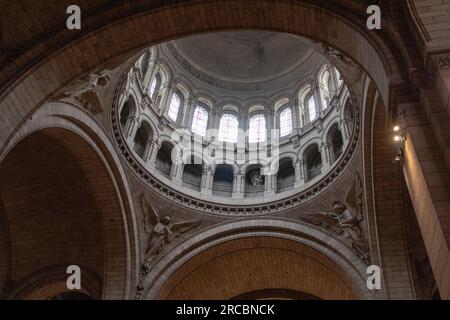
(397, 138)
(396, 128)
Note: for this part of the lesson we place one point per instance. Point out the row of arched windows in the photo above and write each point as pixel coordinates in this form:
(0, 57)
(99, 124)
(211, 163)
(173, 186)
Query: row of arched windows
(229, 123)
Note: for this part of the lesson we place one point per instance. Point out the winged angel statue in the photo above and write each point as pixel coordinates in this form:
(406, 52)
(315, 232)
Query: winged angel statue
(84, 90)
(344, 220)
(162, 231)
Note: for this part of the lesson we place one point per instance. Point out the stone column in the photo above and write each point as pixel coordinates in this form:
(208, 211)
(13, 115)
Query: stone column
(148, 77)
(317, 99)
(151, 151)
(325, 152)
(205, 185)
(131, 126)
(242, 139)
(428, 182)
(213, 124)
(334, 90)
(187, 113)
(300, 176)
(296, 115)
(167, 91)
(345, 131)
(176, 173)
(270, 125)
(238, 186)
(270, 184)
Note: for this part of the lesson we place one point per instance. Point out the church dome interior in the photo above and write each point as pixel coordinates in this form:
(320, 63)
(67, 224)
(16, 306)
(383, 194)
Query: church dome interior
(225, 150)
(237, 118)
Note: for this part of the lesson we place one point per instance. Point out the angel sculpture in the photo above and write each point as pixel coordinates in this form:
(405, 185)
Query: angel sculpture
(256, 179)
(344, 220)
(162, 231)
(84, 90)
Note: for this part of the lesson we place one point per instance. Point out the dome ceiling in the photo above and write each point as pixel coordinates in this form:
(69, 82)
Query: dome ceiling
(244, 56)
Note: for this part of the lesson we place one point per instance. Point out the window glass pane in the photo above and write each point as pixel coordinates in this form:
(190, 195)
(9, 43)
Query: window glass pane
(285, 122)
(200, 121)
(311, 108)
(325, 100)
(228, 128)
(174, 107)
(257, 129)
(154, 86)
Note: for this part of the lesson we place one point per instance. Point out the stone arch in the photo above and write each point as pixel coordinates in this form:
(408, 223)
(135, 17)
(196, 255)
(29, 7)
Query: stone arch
(233, 164)
(144, 134)
(275, 161)
(331, 123)
(304, 94)
(193, 171)
(335, 139)
(285, 174)
(223, 179)
(152, 125)
(163, 161)
(313, 160)
(281, 102)
(128, 111)
(181, 262)
(143, 62)
(307, 144)
(76, 147)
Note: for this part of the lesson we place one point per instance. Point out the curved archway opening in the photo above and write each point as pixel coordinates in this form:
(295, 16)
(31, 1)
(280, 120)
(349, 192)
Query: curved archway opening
(236, 267)
(285, 175)
(223, 180)
(192, 174)
(61, 204)
(163, 161)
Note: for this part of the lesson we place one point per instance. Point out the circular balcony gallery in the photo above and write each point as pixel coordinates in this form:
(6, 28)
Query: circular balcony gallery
(237, 131)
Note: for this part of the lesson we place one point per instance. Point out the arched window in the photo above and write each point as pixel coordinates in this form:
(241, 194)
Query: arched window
(154, 87)
(325, 89)
(199, 121)
(311, 108)
(175, 104)
(257, 129)
(285, 122)
(228, 128)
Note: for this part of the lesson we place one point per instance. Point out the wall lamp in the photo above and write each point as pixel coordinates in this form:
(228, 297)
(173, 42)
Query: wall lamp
(399, 139)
